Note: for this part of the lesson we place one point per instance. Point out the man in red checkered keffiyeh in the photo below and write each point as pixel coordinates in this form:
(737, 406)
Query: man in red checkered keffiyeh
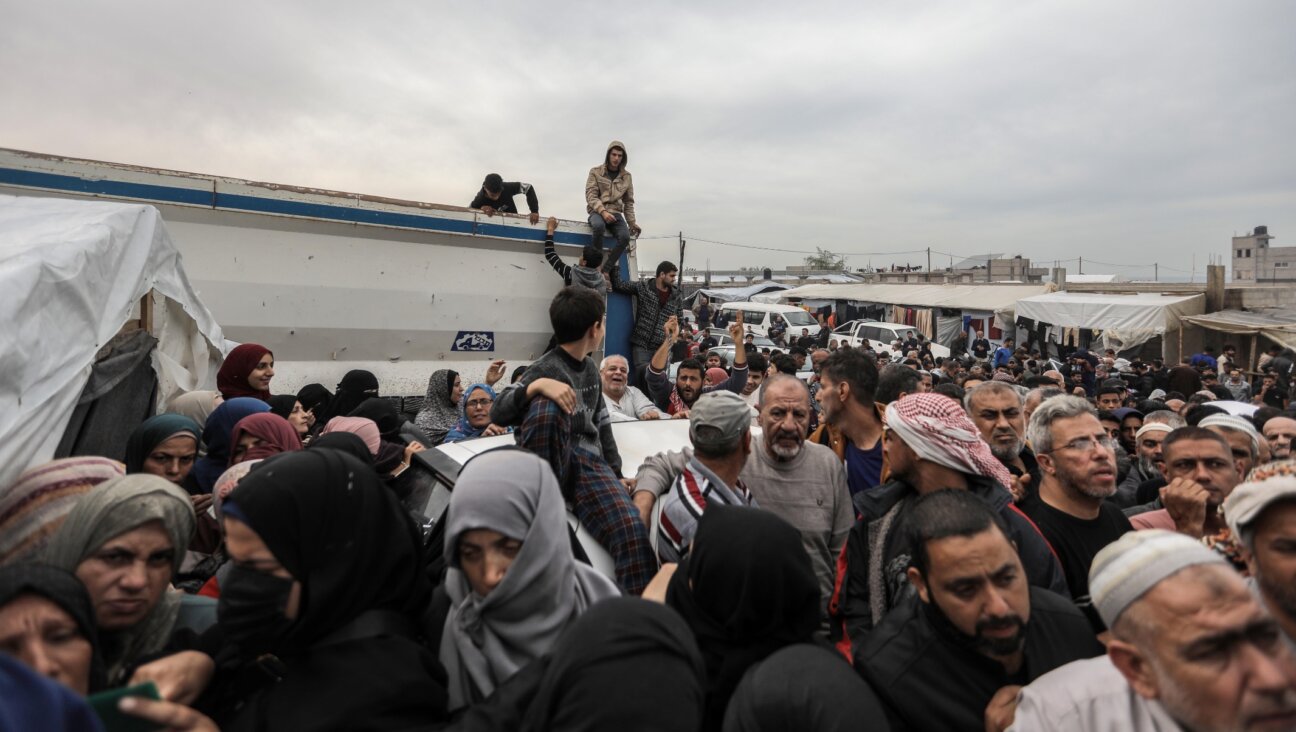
(936, 428)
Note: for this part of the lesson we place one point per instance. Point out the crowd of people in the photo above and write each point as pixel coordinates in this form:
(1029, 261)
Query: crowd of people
(875, 542)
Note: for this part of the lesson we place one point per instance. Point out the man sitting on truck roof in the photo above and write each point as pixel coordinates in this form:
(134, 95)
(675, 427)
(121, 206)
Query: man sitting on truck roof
(496, 196)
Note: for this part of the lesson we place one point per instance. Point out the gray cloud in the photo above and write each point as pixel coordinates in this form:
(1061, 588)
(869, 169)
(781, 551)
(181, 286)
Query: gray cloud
(1130, 132)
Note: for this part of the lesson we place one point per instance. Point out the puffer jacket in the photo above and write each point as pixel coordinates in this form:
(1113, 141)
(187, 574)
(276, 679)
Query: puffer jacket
(615, 195)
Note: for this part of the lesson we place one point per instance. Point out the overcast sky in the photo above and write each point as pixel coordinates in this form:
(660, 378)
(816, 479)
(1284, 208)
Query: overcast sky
(1124, 132)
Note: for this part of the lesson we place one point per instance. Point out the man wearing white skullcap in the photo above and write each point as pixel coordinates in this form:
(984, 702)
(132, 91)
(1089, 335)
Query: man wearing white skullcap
(1262, 513)
(1145, 475)
(1243, 438)
(1191, 649)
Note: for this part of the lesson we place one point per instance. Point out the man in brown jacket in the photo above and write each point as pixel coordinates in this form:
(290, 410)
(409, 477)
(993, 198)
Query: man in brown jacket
(609, 201)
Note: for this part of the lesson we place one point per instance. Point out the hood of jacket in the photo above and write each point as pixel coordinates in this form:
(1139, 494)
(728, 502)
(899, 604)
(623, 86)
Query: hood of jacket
(625, 156)
(588, 277)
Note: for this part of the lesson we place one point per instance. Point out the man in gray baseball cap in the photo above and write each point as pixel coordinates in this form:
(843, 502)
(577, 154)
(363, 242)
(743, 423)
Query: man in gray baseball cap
(720, 430)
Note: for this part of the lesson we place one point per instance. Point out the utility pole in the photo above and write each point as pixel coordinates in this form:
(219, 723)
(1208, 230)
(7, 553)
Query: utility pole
(1156, 271)
(928, 260)
(681, 262)
(1081, 265)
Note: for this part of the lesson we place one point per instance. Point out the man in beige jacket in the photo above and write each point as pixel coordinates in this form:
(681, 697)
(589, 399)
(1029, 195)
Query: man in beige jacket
(609, 201)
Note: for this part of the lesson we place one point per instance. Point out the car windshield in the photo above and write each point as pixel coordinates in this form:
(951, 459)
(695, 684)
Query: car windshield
(799, 318)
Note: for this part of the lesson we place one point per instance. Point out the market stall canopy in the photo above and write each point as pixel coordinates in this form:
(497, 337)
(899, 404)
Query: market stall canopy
(993, 298)
(739, 294)
(1279, 327)
(71, 275)
(1135, 312)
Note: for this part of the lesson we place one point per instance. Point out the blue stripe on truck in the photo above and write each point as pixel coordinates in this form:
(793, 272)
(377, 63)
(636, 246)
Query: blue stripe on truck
(620, 310)
(258, 204)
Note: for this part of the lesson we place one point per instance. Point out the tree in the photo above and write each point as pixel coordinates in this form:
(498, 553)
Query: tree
(825, 260)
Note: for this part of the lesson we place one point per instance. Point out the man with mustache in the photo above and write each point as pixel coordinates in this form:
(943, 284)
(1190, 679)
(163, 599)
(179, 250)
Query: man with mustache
(930, 445)
(975, 627)
(801, 482)
(1148, 468)
(676, 399)
(998, 412)
(1077, 462)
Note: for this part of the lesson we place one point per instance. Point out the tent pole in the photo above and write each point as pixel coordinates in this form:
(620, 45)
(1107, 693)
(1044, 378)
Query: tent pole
(1251, 365)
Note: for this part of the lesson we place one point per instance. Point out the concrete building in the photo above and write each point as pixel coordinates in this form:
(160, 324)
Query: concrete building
(1255, 261)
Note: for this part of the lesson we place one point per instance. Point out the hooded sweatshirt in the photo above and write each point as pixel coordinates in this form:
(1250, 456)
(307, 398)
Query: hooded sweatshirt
(578, 275)
(605, 191)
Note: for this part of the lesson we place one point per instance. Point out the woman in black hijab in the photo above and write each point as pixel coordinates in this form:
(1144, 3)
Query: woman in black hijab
(321, 612)
(347, 442)
(357, 386)
(746, 590)
(584, 684)
(391, 424)
(804, 687)
(76, 662)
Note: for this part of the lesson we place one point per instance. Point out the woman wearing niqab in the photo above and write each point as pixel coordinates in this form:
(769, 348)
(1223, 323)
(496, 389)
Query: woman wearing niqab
(350, 658)
(746, 589)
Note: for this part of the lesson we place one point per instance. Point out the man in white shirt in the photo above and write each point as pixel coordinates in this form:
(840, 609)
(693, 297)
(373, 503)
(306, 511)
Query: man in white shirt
(624, 402)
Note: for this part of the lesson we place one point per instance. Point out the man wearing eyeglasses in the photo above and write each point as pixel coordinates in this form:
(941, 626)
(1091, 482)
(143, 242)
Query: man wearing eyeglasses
(1077, 462)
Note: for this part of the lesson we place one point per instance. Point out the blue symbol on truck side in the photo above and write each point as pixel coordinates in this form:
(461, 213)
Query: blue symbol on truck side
(474, 340)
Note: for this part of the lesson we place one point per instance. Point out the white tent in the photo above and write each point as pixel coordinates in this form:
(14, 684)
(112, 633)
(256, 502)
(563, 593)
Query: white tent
(72, 273)
(1126, 320)
(991, 298)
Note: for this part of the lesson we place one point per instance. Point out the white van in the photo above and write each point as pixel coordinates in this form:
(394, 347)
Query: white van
(758, 317)
(880, 335)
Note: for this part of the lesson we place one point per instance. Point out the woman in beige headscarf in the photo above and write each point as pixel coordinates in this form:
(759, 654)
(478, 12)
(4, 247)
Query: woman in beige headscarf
(124, 541)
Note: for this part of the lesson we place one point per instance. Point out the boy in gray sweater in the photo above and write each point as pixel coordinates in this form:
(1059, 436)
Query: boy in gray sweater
(559, 407)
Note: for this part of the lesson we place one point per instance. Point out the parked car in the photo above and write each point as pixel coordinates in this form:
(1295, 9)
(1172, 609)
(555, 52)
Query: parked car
(880, 335)
(759, 317)
(635, 441)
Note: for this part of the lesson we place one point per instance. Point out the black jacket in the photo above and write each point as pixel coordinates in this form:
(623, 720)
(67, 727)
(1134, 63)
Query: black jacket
(929, 680)
(504, 203)
(650, 312)
(871, 570)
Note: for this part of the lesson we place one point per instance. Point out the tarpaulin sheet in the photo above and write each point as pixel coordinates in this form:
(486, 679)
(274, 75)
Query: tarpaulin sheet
(996, 298)
(71, 273)
(1279, 327)
(1126, 321)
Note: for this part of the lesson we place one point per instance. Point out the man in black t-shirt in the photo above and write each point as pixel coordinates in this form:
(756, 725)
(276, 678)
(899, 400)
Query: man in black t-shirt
(1077, 462)
(496, 196)
(981, 347)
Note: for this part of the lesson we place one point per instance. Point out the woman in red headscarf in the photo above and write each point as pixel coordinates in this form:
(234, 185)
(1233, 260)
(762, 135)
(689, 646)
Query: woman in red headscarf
(246, 372)
(259, 436)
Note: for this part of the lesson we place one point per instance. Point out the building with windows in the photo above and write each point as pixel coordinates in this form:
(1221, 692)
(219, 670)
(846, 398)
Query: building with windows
(1255, 261)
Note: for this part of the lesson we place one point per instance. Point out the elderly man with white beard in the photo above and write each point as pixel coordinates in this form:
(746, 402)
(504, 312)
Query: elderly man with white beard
(799, 481)
(1191, 649)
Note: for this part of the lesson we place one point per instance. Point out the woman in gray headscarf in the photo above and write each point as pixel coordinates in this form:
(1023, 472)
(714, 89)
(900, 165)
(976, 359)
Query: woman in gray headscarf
(440, 412)
(512, 581)
(124, 541)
